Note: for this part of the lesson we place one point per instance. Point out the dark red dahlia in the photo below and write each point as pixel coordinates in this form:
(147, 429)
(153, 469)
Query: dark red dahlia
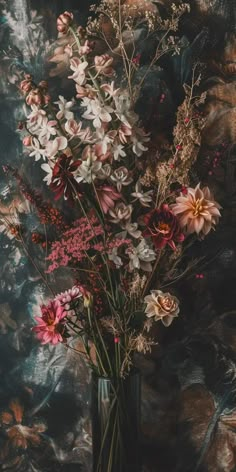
(163, 227)
(63, 181)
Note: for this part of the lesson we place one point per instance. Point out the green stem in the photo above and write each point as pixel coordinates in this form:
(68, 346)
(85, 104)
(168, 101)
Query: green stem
(99, 360)
(104, 347)
(93, 79)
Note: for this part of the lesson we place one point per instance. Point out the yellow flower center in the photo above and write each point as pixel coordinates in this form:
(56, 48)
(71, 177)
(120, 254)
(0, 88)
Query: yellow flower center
(163, 228)
(198, 207)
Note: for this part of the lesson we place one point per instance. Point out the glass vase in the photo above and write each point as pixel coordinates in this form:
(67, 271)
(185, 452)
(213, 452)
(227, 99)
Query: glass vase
(116, 412)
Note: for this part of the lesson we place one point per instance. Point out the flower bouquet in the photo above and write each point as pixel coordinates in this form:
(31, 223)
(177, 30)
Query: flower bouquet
(130, 209)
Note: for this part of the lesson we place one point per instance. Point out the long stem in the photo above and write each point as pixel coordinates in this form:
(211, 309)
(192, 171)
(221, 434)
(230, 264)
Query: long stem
(104, 347)
(35, 266)
(94, 340)
(94, 81)
(147, 285)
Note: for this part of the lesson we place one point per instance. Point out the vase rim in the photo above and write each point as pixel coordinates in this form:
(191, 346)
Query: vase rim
(133, 372)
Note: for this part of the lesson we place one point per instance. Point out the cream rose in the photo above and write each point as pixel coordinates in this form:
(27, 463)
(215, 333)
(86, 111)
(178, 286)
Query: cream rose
(162, 306)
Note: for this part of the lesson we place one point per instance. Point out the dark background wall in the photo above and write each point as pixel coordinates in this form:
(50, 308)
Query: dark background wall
(189, 381)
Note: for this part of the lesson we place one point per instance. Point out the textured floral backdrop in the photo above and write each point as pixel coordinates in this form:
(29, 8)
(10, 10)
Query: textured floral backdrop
(189, 416)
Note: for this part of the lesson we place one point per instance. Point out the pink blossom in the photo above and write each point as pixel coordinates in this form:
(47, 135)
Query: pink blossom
(27, 141)
(86, 91)
(110, 90)
(26, 85)
(75, 129)
(103, 65)
(86, 48)
(197, 211)
(107, 197)
(35, 97)
(72, 127)
(51, 325)
(47, 130)
(104, 140)
(124, 131)
(67, 297)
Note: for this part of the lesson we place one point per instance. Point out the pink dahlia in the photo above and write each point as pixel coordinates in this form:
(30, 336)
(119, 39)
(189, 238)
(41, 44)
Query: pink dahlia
(163, 227)
(51, 325)
(197, 210)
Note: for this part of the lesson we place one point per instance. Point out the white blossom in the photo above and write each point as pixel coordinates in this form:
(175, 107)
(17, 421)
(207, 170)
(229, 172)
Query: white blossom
(121, 214)
(64, 108)
(88, 170)
(141, 257)
(118, 151)
(48, 169)
(35, 118)
(113, 256)
(110, 89)
(123, 109)
(121, 177)
(97, 112)
(104, 139)
(132, 230)
(58, 144)
(47, 129)
(79, 70)
(145, 198)
(104, 172)
(36, 150)
(73, 128)
(139, 137)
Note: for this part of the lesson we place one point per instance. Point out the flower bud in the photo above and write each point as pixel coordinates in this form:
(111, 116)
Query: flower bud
(64, 21)
(20, 125)
(47, 99)
(43, 84)
(27, 141)
(34, 98)
(26, 85)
